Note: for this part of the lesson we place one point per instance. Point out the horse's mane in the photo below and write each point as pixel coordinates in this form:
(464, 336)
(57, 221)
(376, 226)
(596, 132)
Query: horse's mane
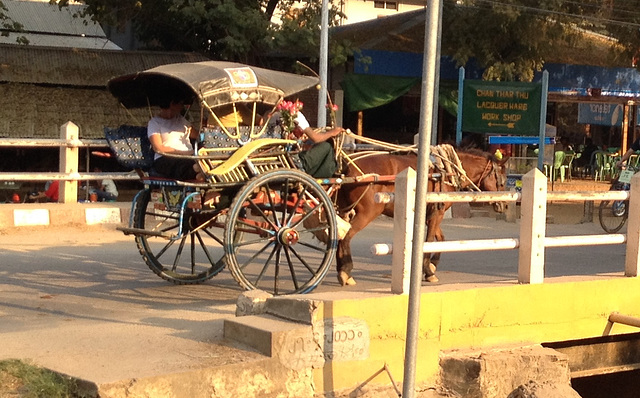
(477, 152)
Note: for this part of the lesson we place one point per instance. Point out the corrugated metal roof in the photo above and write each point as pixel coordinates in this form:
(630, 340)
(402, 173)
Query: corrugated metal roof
(48, 40)
(41, 17)
(78, 67)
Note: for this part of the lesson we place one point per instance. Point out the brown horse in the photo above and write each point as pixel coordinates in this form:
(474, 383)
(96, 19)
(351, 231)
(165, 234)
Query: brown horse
(482, 168)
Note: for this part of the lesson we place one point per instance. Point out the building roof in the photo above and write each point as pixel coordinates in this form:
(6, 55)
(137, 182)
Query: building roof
(78, 66)
(404, 32)
(45, 24)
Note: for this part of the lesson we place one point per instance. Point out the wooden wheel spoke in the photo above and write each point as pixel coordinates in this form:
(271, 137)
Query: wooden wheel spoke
(314, 247)
(302, 260)
(308, 214)
(205, 249)
(256, 254)
(178, 254)
(265, 266)
(273, 212)
(253, 205)
(256, 227)
(284, 211)
(291, 269)
(276, 272)
(296, 205)
(212, 236)
(165, 248)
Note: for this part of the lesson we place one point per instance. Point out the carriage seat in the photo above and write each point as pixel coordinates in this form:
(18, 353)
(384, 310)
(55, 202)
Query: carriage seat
(131, 146)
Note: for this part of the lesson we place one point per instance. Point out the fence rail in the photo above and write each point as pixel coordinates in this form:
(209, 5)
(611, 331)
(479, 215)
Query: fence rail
(532, 240)
(68, 173)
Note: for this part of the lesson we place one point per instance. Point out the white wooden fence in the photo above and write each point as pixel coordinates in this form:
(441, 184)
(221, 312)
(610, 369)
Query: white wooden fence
(532, 240)
(68, 174)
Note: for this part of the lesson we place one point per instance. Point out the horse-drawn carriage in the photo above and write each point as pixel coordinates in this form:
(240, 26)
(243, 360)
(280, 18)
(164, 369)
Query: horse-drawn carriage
(274, 226)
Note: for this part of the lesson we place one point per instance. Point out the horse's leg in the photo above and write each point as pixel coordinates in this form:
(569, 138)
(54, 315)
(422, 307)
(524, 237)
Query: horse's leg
(435, 258)
(439, 236)
(343, 254)
(435, 215)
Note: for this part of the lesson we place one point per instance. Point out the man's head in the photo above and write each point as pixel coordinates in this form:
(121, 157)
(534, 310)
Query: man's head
(168, 102)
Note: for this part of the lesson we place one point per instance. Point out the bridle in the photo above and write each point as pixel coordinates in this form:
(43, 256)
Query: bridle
(492, 168)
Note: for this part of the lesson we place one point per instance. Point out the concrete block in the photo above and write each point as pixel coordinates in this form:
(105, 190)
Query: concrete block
(109, 215)
(499, 372)
(259, 331)
(548, 390)
(29, 217)
(460, 210)
(297, 309)
(252, 302)
(67, 214)
(299, 346)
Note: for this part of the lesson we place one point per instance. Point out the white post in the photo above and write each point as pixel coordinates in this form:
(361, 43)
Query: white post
(68, 190)
(403, 216)
(632, 262)
(533, 220)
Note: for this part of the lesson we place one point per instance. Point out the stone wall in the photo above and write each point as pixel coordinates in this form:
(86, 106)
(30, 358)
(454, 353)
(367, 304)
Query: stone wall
(38, 111)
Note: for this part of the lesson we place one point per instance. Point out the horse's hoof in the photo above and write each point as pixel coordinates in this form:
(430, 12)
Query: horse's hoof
(345, 279)
(432, 279)
(431, 269)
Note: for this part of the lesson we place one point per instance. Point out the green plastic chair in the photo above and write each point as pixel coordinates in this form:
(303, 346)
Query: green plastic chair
(558, 160)
(603, 167)
(567, 164)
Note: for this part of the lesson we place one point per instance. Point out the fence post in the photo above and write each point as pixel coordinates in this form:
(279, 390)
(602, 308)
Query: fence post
(68, 190)
(632, 263)
(532, 227)
(403, 216)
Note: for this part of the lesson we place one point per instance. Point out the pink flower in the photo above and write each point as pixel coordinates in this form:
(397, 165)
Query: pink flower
(288, 110)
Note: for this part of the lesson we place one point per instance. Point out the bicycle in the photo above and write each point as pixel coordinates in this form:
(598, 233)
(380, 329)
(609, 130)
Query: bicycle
(613, 214)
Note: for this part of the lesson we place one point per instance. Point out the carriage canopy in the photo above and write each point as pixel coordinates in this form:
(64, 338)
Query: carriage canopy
(214, 83)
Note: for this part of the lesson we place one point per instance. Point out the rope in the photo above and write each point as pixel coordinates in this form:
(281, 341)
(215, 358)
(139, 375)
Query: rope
(446, 158)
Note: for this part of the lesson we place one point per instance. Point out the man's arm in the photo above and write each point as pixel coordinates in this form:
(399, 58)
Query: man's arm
(321, 136)
(159, 147)
(634, 147)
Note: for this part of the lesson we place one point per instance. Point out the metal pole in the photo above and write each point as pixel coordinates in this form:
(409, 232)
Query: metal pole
(429, 77)
(543, 121)
(460, 95)
(324, 60)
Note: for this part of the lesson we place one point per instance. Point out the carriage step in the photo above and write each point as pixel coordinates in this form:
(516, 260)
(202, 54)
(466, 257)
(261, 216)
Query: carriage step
(146, 232)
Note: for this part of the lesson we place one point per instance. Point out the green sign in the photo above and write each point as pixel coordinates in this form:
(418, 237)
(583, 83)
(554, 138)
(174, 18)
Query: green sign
(501, 107)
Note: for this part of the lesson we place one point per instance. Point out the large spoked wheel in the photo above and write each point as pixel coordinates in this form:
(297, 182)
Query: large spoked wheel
(281, 234)
(613, 215)
(194, 257)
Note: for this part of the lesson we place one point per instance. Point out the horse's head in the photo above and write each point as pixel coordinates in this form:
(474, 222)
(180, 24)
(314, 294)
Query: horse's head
(486, 171)
(496, 180)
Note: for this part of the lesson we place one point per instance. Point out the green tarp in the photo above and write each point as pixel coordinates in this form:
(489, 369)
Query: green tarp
(370, 91)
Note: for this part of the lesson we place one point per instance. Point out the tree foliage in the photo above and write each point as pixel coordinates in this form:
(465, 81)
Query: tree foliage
(512, 39)
(235, 30)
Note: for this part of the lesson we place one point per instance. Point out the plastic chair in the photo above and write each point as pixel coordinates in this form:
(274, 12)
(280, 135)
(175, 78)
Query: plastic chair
(602, 165)
(567, 164)
(558, 160)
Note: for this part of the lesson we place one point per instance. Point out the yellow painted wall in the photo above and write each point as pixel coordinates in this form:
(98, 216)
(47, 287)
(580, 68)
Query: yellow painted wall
(475, 318)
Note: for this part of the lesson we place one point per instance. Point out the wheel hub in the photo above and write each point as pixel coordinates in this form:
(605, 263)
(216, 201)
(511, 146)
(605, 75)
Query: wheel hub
(288, 236)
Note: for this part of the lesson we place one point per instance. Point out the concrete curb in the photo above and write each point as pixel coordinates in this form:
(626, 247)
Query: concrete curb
(57, 214)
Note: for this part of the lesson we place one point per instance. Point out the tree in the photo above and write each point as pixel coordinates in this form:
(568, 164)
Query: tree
(235, 30)
(512, 39)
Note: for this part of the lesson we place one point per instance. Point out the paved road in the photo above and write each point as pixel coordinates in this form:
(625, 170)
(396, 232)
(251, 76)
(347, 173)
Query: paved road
(79, 300)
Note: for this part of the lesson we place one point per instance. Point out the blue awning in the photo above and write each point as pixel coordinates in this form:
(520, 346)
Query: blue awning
(571, 80)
